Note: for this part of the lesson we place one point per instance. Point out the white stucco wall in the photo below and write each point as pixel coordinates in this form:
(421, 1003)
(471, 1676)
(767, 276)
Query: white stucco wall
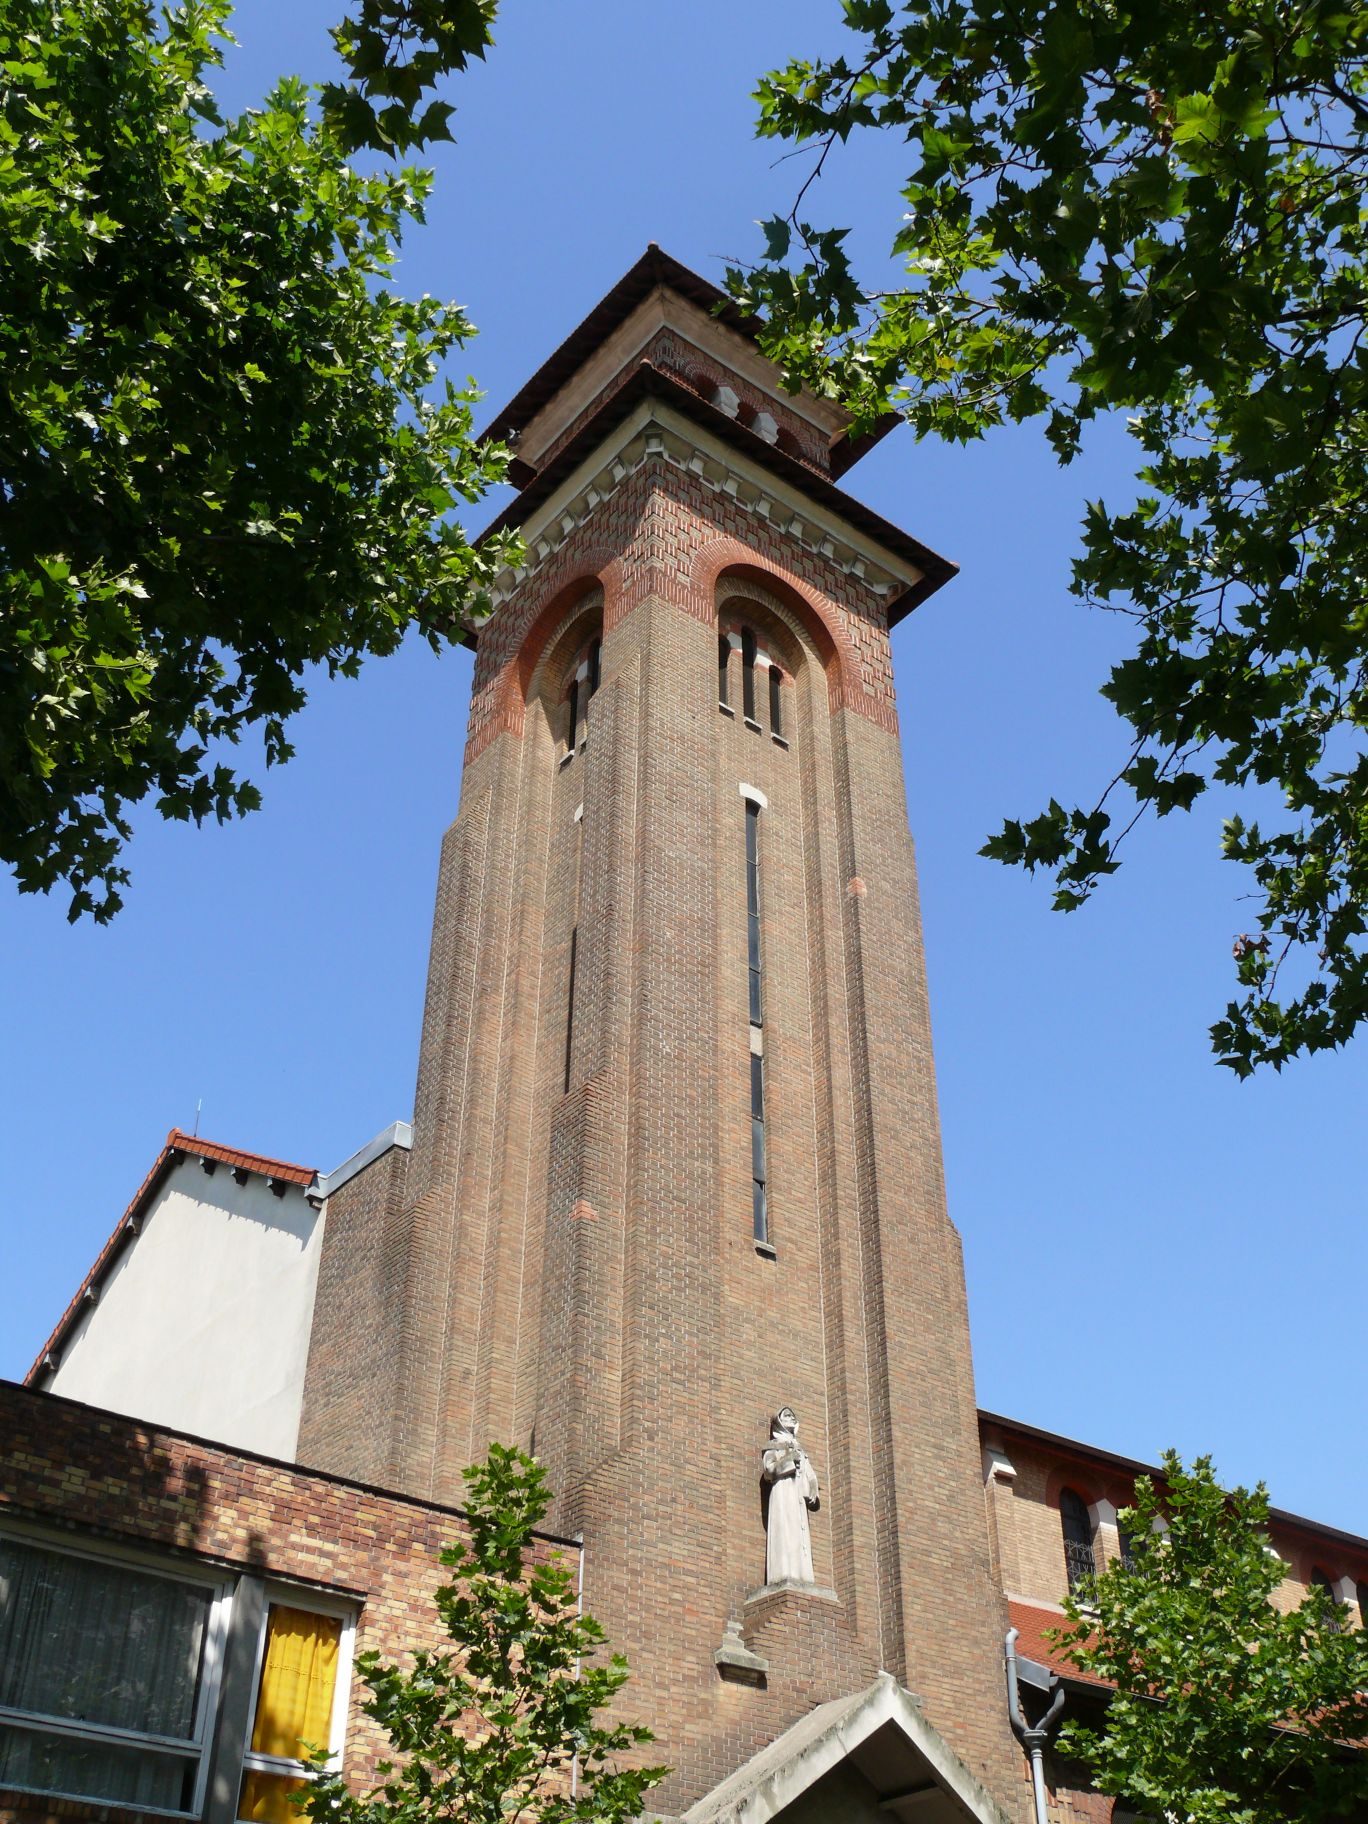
(203, 1323)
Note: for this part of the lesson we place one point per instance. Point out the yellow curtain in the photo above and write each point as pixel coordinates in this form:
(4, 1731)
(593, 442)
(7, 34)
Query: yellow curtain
(298, 1676)
(266, 1798)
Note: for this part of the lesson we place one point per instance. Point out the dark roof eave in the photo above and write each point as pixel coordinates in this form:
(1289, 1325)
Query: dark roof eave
(653, 269)
(1135, 1468)
(648, 381)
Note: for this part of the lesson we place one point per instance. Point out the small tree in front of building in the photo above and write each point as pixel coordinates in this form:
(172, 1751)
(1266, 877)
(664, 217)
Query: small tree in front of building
(506, 1723)
(1225, 1707)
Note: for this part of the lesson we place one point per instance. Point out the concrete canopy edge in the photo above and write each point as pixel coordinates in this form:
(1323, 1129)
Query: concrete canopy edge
(791, 1765)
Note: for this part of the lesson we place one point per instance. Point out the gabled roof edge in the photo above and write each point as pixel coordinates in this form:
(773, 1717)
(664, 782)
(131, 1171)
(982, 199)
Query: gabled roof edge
(177, 1146)
(791, 1764)
(653, 269)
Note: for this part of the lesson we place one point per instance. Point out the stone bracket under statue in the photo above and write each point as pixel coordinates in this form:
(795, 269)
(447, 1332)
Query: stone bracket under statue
(790, 1481)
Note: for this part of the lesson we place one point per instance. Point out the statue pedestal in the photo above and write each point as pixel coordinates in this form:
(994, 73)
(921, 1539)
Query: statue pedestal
(789, 1586)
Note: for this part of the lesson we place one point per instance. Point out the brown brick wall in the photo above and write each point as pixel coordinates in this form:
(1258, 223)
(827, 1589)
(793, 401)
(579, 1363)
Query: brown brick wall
(350, 1393)
(579, 1267)
(1028, 1540)
(98, 1475)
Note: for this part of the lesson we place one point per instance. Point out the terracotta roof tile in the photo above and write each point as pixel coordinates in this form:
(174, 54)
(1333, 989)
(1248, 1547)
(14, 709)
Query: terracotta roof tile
(177, 1141)
(1031, 1623)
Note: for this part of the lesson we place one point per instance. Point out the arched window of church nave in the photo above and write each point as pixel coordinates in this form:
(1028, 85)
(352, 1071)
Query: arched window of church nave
(1080, 1556)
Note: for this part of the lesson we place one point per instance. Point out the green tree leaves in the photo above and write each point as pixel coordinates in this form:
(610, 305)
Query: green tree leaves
(395, 52)
(1226, 1707)
(1160, 211)
(490, 1731)
(226, 456)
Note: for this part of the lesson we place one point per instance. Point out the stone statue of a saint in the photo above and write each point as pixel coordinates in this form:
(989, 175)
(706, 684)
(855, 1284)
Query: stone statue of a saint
(792, 1482)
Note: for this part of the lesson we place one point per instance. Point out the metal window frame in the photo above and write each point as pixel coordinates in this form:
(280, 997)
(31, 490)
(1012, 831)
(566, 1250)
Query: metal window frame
(193, 1747)
(313, 1602)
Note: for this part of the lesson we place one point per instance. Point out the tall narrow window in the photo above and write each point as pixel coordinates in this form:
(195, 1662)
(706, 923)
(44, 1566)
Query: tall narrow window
(757, 1014)
(1079, 1557)
(723, 665)
(574, 952)
(759, 1172)
(748, 674)
(584, 681)
(570, 1009)
(776, 680)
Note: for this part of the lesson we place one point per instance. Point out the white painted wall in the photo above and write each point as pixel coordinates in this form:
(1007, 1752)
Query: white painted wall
(203, 1323)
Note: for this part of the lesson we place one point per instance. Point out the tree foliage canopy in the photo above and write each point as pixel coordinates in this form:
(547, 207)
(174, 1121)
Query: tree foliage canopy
(225, 456)
(1225, 1708)
(505, 1725)
(1153, 208)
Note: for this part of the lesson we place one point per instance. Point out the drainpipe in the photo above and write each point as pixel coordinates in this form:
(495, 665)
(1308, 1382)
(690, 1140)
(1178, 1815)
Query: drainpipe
(1033, 1739)
(579, 1616)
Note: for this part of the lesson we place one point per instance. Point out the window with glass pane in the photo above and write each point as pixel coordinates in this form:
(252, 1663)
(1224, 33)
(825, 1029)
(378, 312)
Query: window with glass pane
(753, 911)
(748, 649)
(1076, 1524)
(759, 1170)
(1324, 1581)
(1127, 1540)
(294, 1709)
(103, 1688)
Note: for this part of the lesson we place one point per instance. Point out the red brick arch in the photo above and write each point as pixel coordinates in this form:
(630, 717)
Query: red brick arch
(726, 556)
(506, 691)
(1084, 1482)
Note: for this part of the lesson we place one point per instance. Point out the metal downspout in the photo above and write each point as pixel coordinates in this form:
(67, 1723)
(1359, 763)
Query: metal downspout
(1033, 1739)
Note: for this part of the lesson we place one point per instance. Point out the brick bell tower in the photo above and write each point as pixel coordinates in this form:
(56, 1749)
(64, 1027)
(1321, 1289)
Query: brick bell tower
(676, 1160)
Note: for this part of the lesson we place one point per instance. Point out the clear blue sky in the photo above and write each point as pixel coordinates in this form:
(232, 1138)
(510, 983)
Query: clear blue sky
(1156, 1254)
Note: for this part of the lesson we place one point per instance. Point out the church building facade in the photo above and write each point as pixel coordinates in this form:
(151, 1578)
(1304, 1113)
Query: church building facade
(670, 1212)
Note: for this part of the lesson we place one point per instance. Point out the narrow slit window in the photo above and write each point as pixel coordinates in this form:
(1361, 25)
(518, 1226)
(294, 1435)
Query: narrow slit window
(748, 674)
(570, 1008)
(574, 953)
(759, 1170)
(723, 664)
(595, 665)
(572, 717)
(755, 1015)
(776, 680)
(753, 959)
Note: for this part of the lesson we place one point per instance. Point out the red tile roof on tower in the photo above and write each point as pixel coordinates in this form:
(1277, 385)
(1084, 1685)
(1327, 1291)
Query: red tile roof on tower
(178, 1146)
